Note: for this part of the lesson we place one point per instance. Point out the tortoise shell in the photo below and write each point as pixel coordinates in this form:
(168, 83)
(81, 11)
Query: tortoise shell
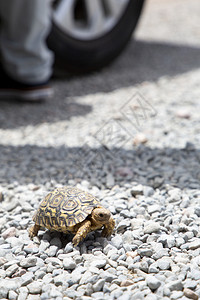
(65, 207)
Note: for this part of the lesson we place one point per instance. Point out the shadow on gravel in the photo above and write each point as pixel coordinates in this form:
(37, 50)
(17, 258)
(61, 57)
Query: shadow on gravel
(142, 61)
(101, 167)
(14, 114)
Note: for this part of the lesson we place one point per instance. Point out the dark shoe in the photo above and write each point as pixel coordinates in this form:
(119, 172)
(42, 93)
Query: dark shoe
(10, 88)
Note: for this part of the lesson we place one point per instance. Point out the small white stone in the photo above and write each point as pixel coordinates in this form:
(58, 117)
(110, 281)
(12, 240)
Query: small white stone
(69, 264)
(140, 138)
(28, 262)
(195, 244)
(152, 282)
(99, 263)
(117, 241)
(10, 232)
(151, 227)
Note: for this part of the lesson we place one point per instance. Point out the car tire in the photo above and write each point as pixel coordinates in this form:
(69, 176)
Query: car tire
(81, 56)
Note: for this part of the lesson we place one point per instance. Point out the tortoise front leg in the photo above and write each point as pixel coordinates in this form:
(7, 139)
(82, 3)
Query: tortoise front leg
(108, 228)
(33, 231)
(81, 233)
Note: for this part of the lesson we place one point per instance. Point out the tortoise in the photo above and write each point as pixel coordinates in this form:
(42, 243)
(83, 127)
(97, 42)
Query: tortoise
(71, 210)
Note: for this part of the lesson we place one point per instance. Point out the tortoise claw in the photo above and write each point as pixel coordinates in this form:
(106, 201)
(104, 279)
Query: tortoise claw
(76, 241)
(33, 231)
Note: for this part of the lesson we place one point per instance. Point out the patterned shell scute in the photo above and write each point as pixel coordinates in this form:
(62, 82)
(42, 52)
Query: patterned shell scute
(63, 207)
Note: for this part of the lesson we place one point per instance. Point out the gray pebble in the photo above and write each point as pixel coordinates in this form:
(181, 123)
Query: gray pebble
(137, 190)
(152, 282)
(174, 194)
(27, 278)
(107, 276)
(151, 227)
(31, 249)
(176, 295)
(108, 248)
(98, 286)
(113, 263)
(128, 237)
(123, 225)
(99, 263)
(179, 241)
(153, 268)
(11, 270)
(7, 285)
(125, 213)
(3, 292)
(87, 277)
(117, 241)
(175, 285)
(116, 293)
(9, 263)
(151, 297)
(10, 232)
(190, 284)
(28, 262)
(23, 293)
(154, 208)
(47, 279)
(113, 254)
(139, 295)
(33, 297)
(164, 263)
(195, 274)
(44, 244)
(190, 294)
(9, 206)
(69, 264)
(60, 280)
(170, 242)
(14, 241)
(160, 253)
(74, 278)
(68, 248)
(197, 211)
(54, 261)
(3, 261)
(39, 274)
(98, 295)
(148, 191)
(54, 293)
(52, 250)
(145, 252)
(194, 244)
(12, 295)
(35, 287)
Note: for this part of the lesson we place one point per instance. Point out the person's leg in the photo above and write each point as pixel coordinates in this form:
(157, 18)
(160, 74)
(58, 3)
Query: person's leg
(24, 25)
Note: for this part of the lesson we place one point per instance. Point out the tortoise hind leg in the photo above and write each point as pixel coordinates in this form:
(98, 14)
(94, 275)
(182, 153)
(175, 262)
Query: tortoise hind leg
(33, 231)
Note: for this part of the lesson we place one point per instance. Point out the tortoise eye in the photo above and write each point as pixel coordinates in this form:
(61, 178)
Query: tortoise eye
(101, 215)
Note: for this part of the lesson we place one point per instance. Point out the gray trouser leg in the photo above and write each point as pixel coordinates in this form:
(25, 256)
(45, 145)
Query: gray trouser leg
(24, 25)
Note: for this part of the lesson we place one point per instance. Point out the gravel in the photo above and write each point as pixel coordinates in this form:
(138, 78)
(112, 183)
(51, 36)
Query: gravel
(152, 282)
(142, 162)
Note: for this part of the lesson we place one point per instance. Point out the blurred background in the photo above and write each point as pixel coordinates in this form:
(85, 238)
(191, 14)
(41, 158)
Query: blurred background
(147, 100)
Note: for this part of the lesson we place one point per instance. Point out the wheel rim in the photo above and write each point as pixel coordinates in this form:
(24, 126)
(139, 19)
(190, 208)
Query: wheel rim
(87, 19)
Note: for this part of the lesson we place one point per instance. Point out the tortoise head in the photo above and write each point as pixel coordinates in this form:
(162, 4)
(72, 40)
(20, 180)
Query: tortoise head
(101, 215)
